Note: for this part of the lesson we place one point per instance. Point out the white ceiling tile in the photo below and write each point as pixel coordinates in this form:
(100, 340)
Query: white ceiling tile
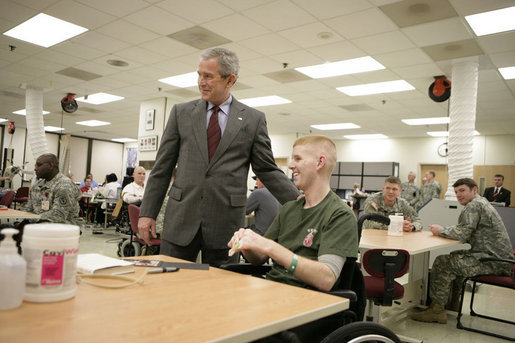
(279, 15)
(127, 32)
(503, 59)
(14, 12)
(269, 44)
(324, 9)
(418, 71)
(361, 24)
(311, 35)
(337, 51)
(76, 49)
(402, 58)
(497, 42)
(199, 11)
(168, 47)
(442, 31)
(297, 58)
(159, 21)
(118, 8)
(79, 14)
(101, 42)
(141, 55)
(384, 42)
(225, 27)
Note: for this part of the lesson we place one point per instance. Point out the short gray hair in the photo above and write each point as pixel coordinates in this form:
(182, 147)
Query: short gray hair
(228, 61)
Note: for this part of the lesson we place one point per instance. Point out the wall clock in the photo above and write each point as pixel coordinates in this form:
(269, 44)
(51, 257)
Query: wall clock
(443, 150)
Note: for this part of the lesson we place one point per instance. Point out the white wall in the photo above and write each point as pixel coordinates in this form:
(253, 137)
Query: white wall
(106, 158)
(159, 105)
(78, 158)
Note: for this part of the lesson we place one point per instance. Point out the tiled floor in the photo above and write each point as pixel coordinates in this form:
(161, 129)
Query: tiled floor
(490, 300)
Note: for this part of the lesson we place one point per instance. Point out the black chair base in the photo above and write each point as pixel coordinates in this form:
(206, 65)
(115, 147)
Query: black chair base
(473, 313)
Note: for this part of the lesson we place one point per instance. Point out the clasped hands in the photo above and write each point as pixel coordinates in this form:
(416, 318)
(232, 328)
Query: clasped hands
(244, 239)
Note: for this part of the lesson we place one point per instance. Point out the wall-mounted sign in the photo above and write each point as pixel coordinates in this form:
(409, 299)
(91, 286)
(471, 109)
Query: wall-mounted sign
(149, 119)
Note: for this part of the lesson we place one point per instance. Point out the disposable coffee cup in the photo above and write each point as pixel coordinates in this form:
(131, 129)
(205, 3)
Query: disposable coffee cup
(395, 227)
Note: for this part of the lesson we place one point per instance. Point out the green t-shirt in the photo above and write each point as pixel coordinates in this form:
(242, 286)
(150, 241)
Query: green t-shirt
(327, 228)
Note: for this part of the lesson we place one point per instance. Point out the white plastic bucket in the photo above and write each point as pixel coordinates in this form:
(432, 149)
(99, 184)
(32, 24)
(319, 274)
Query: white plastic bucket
(51, 253)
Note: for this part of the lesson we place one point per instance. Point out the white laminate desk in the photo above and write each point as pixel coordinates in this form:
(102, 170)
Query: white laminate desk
(10, 213)
(418, 244)
(186, 306)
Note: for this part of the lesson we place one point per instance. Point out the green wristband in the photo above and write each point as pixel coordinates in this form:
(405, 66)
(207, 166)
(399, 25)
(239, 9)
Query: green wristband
(293, 266)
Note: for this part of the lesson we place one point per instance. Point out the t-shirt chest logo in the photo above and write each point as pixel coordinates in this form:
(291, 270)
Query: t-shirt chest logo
(308, 240)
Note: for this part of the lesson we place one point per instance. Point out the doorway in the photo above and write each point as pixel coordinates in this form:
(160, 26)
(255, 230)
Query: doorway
(442, 175)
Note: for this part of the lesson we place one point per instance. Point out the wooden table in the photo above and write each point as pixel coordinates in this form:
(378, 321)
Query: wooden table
(419, 244)
(185, 306)
(16, 214)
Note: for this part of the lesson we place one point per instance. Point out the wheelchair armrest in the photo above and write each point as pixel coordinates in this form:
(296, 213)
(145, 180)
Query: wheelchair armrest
(494, 259)
(345, 293)
(247, 268)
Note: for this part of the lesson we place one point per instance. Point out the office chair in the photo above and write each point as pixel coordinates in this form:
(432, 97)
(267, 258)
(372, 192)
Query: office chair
(135, 246)
(384, 265)
(22, 196)
(493, 280)
(7, 199)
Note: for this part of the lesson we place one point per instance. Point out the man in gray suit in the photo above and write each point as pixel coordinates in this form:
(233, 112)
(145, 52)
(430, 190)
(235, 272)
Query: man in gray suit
(207, 200)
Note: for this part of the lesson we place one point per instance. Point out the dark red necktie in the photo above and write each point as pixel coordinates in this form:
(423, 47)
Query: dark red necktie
(214, 133)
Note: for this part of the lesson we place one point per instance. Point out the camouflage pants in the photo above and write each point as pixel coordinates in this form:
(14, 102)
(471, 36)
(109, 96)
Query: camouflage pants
(457, 266)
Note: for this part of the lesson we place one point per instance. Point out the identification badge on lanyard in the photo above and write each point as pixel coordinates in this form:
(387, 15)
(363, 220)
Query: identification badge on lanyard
(45, 205)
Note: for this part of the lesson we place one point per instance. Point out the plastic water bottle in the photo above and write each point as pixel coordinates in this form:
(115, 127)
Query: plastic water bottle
(12, 272)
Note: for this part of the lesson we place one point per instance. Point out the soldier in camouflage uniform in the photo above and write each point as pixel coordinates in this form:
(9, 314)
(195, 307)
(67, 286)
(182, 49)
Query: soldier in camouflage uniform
(431, 189)
(410, 191)
(480, 225)
(388, 203)
(54, 196)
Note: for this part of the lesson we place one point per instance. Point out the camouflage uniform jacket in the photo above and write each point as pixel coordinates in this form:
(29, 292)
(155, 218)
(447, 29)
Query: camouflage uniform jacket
(63, 200)
(429, 191)
(480, 225)
(375, 204)
(410, 193)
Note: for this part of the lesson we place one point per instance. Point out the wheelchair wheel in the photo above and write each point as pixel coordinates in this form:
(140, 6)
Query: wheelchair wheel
(359, 332)
(127, 249)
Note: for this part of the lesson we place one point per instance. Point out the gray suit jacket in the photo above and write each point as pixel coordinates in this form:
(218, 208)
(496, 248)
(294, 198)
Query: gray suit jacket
(211, 195)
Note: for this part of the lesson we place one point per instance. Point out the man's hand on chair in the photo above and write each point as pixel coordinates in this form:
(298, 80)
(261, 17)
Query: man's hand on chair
(146, 224)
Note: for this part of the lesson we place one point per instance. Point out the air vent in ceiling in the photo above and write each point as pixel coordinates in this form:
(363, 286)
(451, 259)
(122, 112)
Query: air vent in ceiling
(79, 74)
(199, 37)
(414, 12)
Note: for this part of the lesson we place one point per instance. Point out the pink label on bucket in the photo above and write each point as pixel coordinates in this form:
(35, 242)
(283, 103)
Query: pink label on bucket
(52, 269)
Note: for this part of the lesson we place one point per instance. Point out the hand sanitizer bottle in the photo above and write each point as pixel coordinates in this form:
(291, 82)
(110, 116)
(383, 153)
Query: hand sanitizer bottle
(12, 272)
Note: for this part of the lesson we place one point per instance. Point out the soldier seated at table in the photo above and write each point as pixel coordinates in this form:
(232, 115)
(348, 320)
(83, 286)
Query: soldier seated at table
(389, 203)
(480, 225)
(311, 237)
(54, 196)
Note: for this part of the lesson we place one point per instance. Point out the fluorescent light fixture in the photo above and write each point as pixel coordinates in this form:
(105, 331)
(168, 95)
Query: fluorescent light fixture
(339, 126)
(24, 112)
(45, 30)
(124, 140)
(93, 123)
(371, 136)
(100, 98)
(493, 21)
(2, 120)
(426, 121)
(53, 128)
(445, 133)
(352, 66)
(508, 73)
(182, 81)
(376, 88)
(265, 101)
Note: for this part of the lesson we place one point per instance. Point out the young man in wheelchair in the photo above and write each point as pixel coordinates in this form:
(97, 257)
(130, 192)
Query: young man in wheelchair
(311, 237)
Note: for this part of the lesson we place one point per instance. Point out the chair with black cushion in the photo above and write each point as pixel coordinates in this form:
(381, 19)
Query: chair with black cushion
(22, 196)
(384, 266)
(492, 280)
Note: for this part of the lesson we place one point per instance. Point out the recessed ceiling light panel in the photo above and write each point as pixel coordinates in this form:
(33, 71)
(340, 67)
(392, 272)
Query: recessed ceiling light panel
(508, 73)
(338, 126)
(427, 121)
(24, 112)
(490, 22)
(92, 123)
(352, 66)
(124, 140)
(99, 98)
(265, 101)
(182, 81)
(370, 136)
(45, 30)
(376, 88)
(53, 128)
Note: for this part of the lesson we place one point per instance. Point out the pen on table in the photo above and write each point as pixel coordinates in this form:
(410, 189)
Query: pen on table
(163, 270)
